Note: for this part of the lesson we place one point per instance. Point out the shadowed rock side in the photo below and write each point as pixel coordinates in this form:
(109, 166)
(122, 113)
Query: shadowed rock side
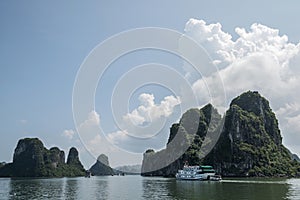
(196, 127)
(32, 159)
(2, 164)
(101, 167)
(250, 143)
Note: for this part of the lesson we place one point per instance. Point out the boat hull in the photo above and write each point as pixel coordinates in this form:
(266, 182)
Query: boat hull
(197, 178)
(200, 177)
(196, 173)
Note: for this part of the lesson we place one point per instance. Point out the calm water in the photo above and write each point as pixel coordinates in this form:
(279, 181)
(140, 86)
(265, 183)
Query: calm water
(137, 187)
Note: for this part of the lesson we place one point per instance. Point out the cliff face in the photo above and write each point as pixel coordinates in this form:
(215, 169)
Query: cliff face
(101, 167)
(250, 143)
(28, 159)
(32, 159)
(74, 163)
(73, 158)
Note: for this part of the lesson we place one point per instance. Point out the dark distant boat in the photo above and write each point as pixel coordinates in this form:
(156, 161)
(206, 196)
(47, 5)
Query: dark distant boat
(88, 174)
(215, 178)
(204, 172)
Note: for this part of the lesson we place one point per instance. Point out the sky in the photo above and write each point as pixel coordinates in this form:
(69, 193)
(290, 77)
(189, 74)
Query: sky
(44, 44)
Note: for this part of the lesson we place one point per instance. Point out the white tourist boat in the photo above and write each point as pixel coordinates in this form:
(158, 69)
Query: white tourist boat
(197, 173)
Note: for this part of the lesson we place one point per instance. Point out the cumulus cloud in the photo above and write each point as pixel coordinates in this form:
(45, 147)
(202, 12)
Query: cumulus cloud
(93, 119)
(96, 142)
(259, 59)
(148, 111)
(89, 129)
(225, 51)
(68, 133)
(117, 137)
(140, 129)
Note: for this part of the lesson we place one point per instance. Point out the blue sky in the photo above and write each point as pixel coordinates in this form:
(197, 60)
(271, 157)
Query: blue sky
(43, 44)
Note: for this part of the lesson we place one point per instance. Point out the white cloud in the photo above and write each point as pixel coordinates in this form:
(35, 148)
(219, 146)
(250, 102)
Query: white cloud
(68, 133)
(96, 143)
(259, 59)
(23, 121)
(90, 134)
(117, 137)
(96, 140)
(140, 129)
(148, 111)
(89, 129)
(225, 51)
(93, 119)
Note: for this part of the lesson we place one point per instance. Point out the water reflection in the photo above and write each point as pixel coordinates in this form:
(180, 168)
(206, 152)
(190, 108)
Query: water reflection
(101, 190)
(157, 188)
(70, 188)
(35, 188)
(231, 189)
(5, 187)
(258, 188)
(240, 189)
(91, 188)
(293, 189)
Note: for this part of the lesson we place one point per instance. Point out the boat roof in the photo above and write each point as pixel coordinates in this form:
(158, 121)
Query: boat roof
(206, 166)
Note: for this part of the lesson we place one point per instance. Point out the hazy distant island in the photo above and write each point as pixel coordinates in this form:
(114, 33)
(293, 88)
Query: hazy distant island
(250, 143)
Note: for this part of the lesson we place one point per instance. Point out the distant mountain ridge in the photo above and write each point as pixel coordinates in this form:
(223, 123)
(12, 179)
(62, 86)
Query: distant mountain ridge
(32, 159)
(129, 169)
(250, 143)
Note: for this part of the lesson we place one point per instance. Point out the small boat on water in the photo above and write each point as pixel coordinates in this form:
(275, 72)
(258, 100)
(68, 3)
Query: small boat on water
(88, 174)
(204, 172)
(215, 178)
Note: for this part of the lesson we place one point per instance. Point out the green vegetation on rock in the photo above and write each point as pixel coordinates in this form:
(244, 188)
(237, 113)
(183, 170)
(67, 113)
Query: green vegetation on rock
(251, 143)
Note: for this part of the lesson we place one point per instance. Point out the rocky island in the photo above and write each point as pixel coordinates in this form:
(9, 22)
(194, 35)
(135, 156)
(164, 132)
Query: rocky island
(32, 159)
(250, 142)
(101, 167)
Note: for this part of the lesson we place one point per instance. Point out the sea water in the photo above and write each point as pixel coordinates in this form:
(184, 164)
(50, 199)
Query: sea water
(137, 187)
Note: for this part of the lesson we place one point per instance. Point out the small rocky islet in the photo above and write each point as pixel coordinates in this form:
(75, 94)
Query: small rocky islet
(249, 144)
